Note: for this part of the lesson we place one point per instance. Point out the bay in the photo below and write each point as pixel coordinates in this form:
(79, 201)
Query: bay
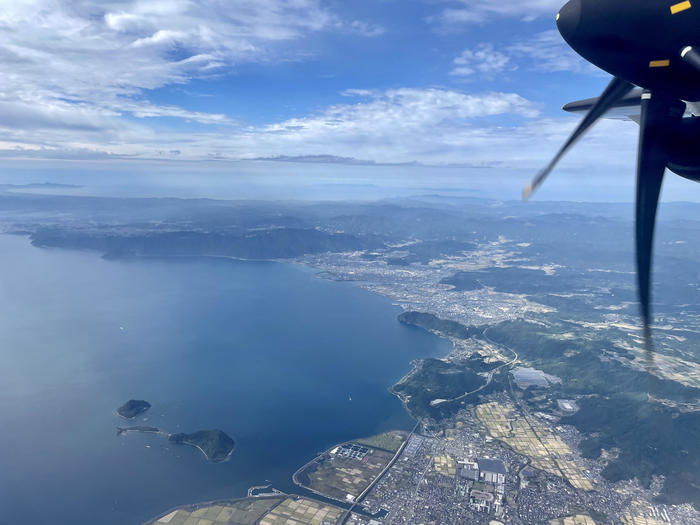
(286, 363)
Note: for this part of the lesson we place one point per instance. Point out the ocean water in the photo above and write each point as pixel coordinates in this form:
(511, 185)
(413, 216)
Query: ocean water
(283, 361)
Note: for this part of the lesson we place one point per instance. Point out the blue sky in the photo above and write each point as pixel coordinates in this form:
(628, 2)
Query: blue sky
(436, 82)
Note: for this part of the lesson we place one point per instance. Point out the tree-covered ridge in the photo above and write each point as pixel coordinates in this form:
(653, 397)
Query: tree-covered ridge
(278, 243)
(216, 445)
(432, 323)
(133, 408)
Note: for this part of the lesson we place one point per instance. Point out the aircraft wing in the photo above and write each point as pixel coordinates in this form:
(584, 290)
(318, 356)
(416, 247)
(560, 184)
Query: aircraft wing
(627, 108)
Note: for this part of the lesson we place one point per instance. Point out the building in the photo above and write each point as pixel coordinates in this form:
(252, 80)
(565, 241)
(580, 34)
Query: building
(492, 471)
(567, 405)
(468, 473)
(481, 501)
(487, 491)
(468, 470)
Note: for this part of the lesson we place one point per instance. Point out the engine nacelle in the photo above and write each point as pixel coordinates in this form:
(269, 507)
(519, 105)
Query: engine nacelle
(683, 147)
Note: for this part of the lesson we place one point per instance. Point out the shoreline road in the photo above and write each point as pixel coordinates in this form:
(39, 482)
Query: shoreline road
(369, 487)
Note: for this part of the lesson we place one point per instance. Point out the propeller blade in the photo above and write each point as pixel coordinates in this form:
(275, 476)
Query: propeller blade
(651, 166)
(658, 115)
(617, 89)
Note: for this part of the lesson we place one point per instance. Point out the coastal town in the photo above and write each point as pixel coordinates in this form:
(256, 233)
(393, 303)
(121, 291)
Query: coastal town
(465, 473)
(519, 411)
(494, 452)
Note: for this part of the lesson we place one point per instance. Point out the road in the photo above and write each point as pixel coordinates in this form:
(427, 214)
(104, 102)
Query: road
(491, 373)
(369, 487)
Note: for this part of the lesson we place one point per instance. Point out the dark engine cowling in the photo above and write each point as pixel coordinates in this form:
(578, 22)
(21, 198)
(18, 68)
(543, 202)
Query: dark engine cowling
(637, 40)
(683, 147)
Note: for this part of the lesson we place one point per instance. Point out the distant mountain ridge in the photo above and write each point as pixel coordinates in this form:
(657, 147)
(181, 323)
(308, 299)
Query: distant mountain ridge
(277, 243)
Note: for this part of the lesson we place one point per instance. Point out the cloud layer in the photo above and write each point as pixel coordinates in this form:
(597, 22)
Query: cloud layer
(545, 51)
(76, 64)
(431, 126)
(78, 75)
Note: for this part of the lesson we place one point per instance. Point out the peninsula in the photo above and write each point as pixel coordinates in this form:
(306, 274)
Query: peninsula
(216, 445)
(148, 430)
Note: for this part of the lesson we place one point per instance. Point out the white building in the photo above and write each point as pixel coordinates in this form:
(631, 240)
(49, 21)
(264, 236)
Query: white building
(492, 471)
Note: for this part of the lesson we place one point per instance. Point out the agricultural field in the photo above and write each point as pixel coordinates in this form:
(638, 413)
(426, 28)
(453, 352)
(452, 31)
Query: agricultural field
(628, 519)
(302, 511)
(545, 449)
(344, 472)
(445, 465)
(245, 512)
(579, 519)
(389, 441)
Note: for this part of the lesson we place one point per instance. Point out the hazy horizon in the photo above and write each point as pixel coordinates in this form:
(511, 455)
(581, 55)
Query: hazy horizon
(275, 180)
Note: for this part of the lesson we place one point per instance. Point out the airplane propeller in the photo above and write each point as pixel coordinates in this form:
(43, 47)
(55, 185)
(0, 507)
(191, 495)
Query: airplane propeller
(658, 113)
(616, 90)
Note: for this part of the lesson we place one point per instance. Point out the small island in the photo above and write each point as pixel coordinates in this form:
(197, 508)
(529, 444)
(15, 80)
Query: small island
(216, 445)
(133, 408)
(148, 430)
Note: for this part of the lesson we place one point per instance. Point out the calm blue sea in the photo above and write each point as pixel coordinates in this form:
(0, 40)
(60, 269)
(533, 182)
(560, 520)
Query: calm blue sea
(266, 351)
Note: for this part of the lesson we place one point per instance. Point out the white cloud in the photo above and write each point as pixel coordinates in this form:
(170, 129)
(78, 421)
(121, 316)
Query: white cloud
(464, 12)
(434, 126)
(547, 51)
(352, 92)
(74, 75)
(484, 61)
(395, 126)
(98, 57)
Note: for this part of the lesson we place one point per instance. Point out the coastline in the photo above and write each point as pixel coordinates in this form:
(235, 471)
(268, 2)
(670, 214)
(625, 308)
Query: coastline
(142, 430)
(116, 411)
(314, 272)
(319, 274)
(126, 430)
(364, 492)
(228, 456)
(194, 506)
(308, 464)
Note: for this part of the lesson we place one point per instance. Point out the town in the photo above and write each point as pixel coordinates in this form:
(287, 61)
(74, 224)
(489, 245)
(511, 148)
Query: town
(491, 448)
(467, 472)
